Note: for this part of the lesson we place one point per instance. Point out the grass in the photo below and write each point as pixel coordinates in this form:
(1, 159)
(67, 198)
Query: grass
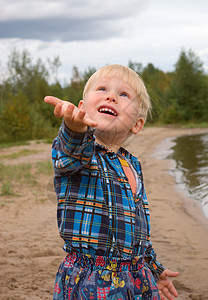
(12, 144)
(44, 167)
(25, 143)
(45, 141)
(25, 171)
(6, 189)
(14, 177)
(24, 152)
(16, 174)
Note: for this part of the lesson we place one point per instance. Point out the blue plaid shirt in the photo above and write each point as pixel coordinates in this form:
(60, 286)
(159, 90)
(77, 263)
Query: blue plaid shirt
(97, 212)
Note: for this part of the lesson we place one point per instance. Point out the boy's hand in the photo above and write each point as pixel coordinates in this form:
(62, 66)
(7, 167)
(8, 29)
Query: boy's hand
(165, 286)
(76, 120)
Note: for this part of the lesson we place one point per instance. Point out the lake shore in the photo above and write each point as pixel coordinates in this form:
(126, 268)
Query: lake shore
(179, 226)
(31, 249)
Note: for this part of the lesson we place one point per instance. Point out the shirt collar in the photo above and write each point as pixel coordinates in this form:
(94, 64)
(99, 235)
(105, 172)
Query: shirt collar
(111, 153)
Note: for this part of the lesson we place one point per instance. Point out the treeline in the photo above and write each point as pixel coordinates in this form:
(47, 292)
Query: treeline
(180, 96)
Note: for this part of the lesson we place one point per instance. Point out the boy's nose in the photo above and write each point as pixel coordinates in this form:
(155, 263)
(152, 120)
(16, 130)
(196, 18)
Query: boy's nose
(111, 99)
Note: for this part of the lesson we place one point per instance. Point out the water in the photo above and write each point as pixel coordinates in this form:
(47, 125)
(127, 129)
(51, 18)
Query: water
(190, 154)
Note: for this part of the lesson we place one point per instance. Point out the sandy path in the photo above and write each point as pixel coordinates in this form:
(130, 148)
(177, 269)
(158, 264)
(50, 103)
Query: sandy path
(31, 250)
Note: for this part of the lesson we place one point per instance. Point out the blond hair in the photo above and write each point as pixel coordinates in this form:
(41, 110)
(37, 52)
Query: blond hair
(128, 76)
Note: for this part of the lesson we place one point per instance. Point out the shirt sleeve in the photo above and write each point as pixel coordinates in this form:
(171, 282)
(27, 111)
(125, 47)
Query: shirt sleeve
(71, 151)
(150, 257)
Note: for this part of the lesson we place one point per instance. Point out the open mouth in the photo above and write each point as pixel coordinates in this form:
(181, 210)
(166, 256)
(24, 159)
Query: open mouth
(108, 111)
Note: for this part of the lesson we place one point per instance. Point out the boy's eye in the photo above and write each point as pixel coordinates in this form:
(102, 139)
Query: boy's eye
(102, 88)
(123, 94)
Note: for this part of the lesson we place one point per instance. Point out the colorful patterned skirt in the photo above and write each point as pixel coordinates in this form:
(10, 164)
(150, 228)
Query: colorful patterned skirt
(88, 277)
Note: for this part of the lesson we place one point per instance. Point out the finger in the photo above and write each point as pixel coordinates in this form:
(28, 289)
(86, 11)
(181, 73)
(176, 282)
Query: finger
(58, 111)
(80, 116)
(89, 122)
(68, 115)
(52, 100)
(171, 273)
(162, 297)
(167, 293)
(83, 118)
(172, 289)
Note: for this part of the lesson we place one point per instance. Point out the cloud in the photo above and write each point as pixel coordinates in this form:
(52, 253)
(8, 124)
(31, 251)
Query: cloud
(67, 20)
(94, 33)
(76, 9)
(59, 29)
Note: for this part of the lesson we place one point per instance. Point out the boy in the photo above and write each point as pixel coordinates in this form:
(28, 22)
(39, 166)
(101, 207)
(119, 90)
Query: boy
(103, 213)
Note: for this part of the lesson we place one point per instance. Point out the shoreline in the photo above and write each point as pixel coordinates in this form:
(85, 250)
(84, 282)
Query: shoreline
(179, 226)
(163, 152)
(159, 149)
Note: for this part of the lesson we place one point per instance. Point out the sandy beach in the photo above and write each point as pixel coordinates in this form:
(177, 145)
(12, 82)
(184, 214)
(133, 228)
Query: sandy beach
(30, 246)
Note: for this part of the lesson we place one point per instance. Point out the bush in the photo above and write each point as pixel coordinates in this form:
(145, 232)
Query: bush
(15, 119)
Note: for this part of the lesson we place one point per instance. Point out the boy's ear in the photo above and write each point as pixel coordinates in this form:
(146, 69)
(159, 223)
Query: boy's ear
(81, 105)
(138, 126)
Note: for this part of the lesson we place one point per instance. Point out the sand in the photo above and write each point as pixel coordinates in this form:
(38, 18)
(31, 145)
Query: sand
(30, 246)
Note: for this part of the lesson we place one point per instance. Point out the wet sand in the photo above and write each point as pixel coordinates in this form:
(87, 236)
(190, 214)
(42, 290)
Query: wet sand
(31, 249)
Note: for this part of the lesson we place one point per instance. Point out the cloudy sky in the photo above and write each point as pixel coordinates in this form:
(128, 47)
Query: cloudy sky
(97, 32)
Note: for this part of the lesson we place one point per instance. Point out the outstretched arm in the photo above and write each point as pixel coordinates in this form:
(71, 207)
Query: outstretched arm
(76, 119)
(165, 286)
(73, 147)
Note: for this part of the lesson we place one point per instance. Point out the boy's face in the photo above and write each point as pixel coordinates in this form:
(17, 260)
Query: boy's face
(114, 105)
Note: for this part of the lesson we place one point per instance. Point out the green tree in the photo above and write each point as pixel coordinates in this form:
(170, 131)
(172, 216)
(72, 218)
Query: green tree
(26, 76)
(32, 78)
(73, 92)
(137, 67)
(54, 65)
(25, 86)
(187, 97)
(157, 83)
